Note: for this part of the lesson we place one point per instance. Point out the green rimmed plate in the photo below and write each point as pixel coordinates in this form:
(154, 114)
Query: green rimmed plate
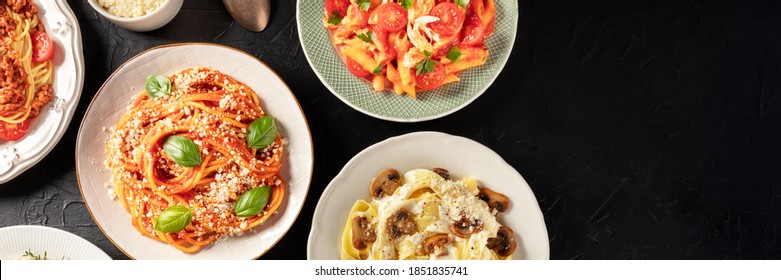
(388, 106)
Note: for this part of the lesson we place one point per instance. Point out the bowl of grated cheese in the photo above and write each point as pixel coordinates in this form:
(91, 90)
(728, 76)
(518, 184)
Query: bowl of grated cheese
(141, 16)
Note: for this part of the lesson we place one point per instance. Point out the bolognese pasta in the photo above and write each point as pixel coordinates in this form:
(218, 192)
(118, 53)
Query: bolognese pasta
(409, 46)
(195, 159)
(25, 67)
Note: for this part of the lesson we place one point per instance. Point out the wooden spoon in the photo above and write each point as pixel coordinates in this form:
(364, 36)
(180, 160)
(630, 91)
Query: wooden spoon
(250, 14)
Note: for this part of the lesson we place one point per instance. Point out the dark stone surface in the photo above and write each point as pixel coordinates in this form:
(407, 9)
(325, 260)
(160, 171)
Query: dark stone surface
(647, 129)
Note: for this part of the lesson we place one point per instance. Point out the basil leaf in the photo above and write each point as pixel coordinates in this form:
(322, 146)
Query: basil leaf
(454, 54)
(366, 37)
(462, 3)
(335, 18)
(364, 4)
(262, 132)
(173, 219)
(252, 202)
(157, 86)
(182, 151)
(377, 70)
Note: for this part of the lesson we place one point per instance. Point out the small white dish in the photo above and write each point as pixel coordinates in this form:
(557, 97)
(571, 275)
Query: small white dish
(462, 157)
(154, 20)
(111, 102)
(47, 128)
(57, 244)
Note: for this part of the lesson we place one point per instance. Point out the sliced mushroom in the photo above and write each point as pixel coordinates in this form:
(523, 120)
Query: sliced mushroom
(503, 243)
(465, 227)
(362, 233)
(385, 183)
(441, 172)
(400, 223)
(436, 244)
(494, 199)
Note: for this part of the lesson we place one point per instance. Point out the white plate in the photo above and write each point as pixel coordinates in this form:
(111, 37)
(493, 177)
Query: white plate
(461, 156)
(111, 102)
(56, 243)
(47, 129)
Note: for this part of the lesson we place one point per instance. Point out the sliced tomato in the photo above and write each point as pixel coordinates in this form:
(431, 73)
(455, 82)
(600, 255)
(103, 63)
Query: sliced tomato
(13, 131)
(474, 31)
(451, 17)
(355, 68)
(43, 48)
(340, 6)
(433, 79)
(391, 17)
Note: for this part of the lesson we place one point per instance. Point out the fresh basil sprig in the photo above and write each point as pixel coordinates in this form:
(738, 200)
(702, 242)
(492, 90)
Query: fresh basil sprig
(157, 86)
(262, 132)
(173, 219)
(252, 202)
(182, 151)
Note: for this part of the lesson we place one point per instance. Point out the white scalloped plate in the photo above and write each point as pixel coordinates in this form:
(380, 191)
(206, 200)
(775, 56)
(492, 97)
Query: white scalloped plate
(56, 243)
(47, 129)
(111, 102)
(461, 156)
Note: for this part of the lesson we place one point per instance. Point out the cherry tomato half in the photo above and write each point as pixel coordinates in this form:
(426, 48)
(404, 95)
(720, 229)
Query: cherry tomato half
(391, 17)
(339, 6)
(355, 68)
(43, 48)
(433, 79)
(451, 17)
(13, 131)
(474, 31)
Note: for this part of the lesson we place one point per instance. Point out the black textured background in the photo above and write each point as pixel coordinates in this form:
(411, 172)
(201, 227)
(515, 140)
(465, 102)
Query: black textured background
(647, 129)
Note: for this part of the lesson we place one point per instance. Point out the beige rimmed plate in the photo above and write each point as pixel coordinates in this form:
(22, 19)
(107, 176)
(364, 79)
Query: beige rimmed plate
(56, 244)
(47, 128)
(461, 156)
(111, 102)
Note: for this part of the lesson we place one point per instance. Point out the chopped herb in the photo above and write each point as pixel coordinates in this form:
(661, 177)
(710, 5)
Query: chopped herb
(454, 54)
(366, 37)
(364, 4)
(462, 3)
(377, 70)
(426, 65)
(335, 18)
(406, 4)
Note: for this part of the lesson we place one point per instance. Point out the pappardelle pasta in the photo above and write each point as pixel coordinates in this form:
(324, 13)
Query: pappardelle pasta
(409, 46)
(424, 214)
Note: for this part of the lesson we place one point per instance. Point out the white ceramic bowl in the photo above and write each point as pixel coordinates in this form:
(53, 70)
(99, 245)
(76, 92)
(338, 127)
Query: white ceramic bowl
(55, 243)
(110, 103)
(148, 22)
(462, 157)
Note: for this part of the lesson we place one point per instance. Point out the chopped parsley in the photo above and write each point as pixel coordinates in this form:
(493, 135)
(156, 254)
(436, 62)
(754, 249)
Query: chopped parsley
(364, 4)
(426, 65)
(454, 54)
(407, 3)
(366, 37)
(335, 18)
(377, 70)
(462, 3)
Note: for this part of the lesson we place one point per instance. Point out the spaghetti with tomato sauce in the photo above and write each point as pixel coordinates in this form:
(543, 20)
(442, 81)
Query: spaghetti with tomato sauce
(409, 46)
(25, 67)
(216, 113)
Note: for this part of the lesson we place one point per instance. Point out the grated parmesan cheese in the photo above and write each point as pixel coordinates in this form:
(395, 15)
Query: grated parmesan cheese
(131, 8)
